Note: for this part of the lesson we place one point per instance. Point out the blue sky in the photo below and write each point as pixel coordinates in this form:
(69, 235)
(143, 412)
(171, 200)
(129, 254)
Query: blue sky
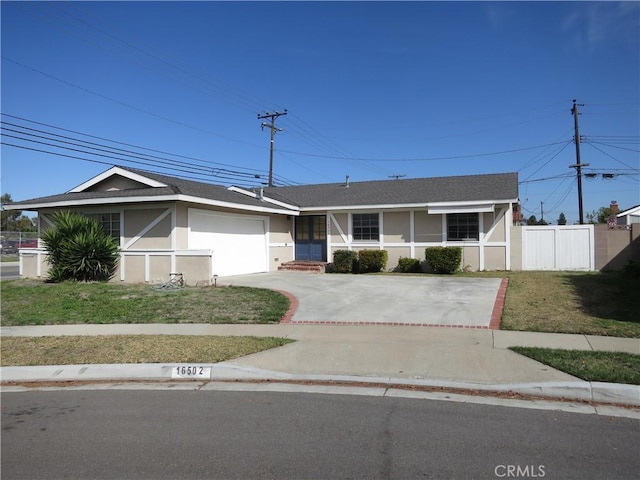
(372, 90)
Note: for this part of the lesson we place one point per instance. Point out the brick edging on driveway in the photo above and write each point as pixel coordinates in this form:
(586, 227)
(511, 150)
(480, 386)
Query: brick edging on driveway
(498, 306)
(293, 306)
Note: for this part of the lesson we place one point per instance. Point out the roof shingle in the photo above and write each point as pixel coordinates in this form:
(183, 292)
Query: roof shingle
(490, 187)
(467, 188)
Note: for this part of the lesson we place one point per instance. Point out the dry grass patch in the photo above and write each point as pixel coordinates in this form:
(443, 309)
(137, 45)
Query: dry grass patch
(72, 350)
(599, 303)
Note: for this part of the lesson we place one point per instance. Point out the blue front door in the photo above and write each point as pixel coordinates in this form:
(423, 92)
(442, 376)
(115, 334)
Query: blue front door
(311, 238)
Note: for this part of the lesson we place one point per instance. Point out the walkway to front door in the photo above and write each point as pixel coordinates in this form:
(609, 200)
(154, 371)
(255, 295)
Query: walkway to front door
(311, 238)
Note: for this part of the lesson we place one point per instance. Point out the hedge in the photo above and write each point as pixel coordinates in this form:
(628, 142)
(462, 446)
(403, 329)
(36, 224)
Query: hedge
(344, 261)
(408, 265)
(372, 261)
(443, 259)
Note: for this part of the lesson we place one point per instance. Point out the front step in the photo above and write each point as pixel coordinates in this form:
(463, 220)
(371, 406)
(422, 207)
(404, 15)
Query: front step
(303, 266)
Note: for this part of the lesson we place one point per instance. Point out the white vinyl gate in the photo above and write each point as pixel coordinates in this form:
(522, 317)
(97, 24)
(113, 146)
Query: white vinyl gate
(558, 247)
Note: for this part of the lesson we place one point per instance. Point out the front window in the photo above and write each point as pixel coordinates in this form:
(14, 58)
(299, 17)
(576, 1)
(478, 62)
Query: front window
(462, 226)
(110, 222)
(366, 226)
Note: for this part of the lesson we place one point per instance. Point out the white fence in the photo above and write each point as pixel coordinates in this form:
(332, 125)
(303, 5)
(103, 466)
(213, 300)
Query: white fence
(558, 247)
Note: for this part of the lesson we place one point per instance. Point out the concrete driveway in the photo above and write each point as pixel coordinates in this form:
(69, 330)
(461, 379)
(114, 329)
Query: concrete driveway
(373, 299)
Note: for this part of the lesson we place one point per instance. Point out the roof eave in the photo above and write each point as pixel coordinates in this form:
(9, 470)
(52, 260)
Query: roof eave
(392, 206)
(148, 199)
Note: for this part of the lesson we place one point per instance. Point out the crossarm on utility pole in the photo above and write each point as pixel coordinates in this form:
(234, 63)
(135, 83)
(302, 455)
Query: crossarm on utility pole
(273, 128)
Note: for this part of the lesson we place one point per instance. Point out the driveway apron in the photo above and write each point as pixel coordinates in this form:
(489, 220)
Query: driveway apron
(381, 299)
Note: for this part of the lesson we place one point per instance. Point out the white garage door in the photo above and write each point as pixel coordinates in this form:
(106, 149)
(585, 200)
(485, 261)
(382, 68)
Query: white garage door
(238, 242)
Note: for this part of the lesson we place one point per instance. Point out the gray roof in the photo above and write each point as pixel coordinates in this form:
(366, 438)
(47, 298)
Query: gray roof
(174, 186)
(489, 187)
(481, 188)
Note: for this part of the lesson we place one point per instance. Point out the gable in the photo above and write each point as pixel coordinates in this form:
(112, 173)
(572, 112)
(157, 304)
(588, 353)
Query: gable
(115, 179)
(115, 183)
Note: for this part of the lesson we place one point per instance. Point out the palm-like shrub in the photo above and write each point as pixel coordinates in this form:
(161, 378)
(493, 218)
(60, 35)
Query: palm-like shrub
(79, 249)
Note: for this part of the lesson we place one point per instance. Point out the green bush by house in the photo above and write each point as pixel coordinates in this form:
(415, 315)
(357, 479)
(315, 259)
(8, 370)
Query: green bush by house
(408, 265)
(344, 261)
(443, 259)
(365, 261)
(372, 261)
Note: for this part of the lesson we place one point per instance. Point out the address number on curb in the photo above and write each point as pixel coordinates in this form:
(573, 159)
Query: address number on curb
(191, 371)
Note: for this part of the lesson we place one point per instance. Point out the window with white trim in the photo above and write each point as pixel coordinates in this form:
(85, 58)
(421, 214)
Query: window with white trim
(462, 226)
(110, 222)
(366, 226)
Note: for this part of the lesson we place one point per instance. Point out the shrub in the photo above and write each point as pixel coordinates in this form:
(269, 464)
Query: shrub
(408, 265)
(371, 261)
(79, 249)
(344, 261)
(443, 259)
(632, 269)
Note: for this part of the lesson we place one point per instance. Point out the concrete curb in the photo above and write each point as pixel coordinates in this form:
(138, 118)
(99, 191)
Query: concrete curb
(582, 391)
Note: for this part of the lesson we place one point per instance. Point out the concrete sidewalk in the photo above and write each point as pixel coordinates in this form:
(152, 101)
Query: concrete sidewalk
(476, 359)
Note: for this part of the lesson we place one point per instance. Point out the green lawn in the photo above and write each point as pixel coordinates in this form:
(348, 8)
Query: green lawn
(595, 303)
(613, 367)
(27, 302)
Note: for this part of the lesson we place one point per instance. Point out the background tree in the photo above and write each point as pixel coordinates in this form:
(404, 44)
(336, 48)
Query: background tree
(14, 220)
(603, 214)
(600, 216)
(79, 249)
(562, 220)
(532, 220)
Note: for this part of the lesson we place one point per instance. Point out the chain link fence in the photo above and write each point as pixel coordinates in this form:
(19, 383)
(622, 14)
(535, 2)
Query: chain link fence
(13, 241)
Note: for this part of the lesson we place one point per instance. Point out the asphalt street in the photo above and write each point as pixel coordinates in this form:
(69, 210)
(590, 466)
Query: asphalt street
(9, 270)
(241, 435)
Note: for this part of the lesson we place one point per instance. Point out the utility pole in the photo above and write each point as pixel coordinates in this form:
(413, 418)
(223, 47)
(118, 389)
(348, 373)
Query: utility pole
(578, 166)
(397, 176)
(541, 213)
(273, 128)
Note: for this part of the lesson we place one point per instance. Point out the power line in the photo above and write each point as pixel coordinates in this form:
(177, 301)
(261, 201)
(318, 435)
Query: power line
(74, 157)
(122, 143)
(550, 159)
(129, 156)
(226, 93)
(608, 144)
(101, 162)
(427, 159)
(553, 177)
(610, 156)
(133, 107)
